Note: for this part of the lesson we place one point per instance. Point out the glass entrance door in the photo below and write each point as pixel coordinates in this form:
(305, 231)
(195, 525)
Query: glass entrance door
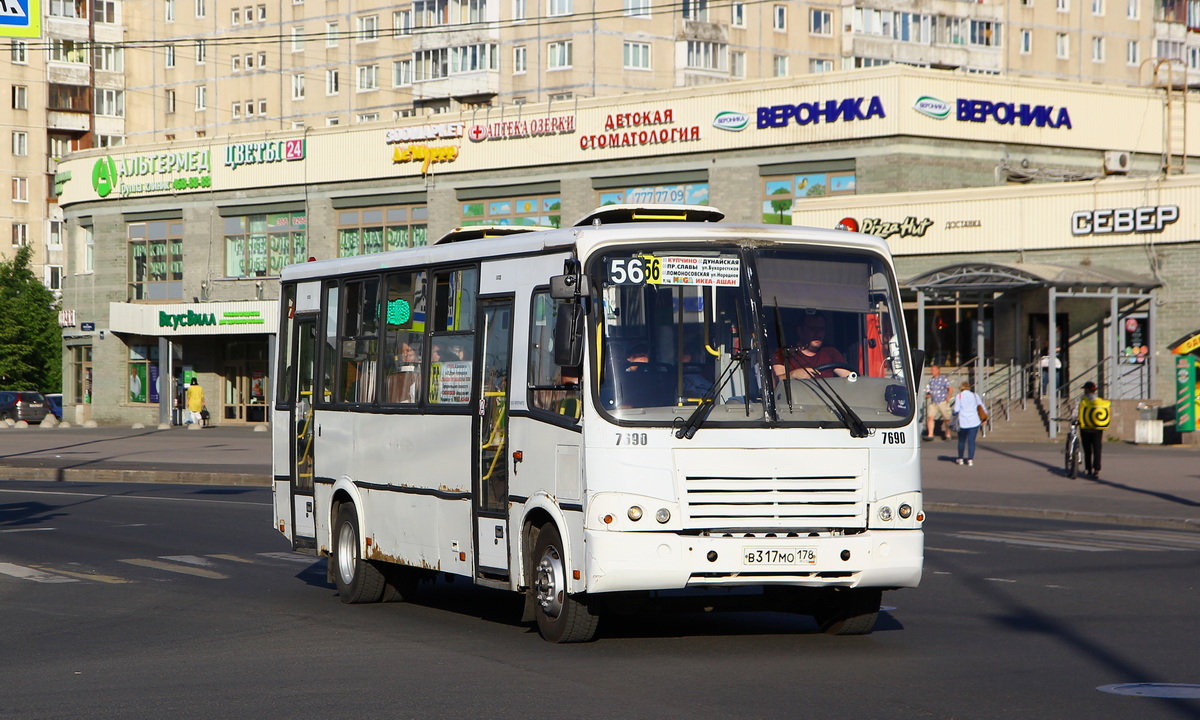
(491, 436)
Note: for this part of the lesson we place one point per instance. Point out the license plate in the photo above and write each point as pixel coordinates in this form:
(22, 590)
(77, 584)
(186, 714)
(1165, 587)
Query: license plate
(779, 556)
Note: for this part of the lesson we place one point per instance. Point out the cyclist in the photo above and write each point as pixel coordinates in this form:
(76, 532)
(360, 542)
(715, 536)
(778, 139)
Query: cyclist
(1093, 419)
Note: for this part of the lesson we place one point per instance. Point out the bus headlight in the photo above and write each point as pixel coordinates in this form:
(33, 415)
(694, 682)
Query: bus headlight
(663, 515)
(885, 513)
(905, 511)
(635, 513)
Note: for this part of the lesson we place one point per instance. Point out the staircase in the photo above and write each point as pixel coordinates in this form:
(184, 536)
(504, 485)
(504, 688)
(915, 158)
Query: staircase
(1030, 424)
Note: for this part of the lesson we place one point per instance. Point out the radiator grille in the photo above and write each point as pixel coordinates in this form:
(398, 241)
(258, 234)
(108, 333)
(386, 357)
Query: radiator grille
(757, 503)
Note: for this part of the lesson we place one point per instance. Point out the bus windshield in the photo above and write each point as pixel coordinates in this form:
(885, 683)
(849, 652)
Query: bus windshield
(812, 326)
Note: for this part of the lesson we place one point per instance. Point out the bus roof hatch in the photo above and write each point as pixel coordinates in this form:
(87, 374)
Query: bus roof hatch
(475, 232)
(610, 214)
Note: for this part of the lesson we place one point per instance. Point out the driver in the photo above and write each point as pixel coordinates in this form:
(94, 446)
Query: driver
(803, 360)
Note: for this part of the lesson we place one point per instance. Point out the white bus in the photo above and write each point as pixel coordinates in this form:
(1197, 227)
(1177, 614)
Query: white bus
(598, 414)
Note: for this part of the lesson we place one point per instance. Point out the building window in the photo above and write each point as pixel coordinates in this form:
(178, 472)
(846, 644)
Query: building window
(201, 52)
(402, 73)
(1131, 9)
(518, 10)
(476, 11)
(779, 18)
(1026, 42)
(331, 121)
(106, 141)
(368, 77)
(169, 55)
(637, 8)
(235, 111)
(110, 103)
(156, 260)
(20, 52)
(170, 100)
(367, 117)
(402, 22)
(261, 245)
(637, 56)
(1062, 5)
(737, 64)
(235, 16)
(985, 33)
(20, 143)
(298, 39)
(105, 11)
(331, 35)
(67, 8)
(368, 28)
(520, 58)
(81, 374)
(1132, 56)
(820, 22)
(20, 189)
(737, 14)
(56, 227)
(560, 55)
(431, 64)
(706, 55)
(560, 7)
(331, 82)
(237, 63)
(431, 13)
(20, 234)
(1097, 7)
(780, 193)
(371, 230)
(110, 58)
(1062, 45)
(779, 66)
(542, 210)
(473, 58)
(20, 97)
(1097, 49)
(142, 357)
(67, 51)
(53, 279)
(695, 10)
(298, 86)
(262, 13)
(820, 66)
(169, 10)
(201, 97)
(262, 60)
(201, 8)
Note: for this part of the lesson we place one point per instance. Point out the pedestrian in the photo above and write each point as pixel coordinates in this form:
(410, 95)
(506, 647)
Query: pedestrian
(937, 402)
(195, 401)
(1094, 416)
(966, 407)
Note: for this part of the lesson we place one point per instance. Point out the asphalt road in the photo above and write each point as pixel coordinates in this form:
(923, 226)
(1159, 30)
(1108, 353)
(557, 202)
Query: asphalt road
(131, 601)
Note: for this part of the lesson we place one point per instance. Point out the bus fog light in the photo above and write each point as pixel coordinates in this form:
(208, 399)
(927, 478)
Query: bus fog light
(712, 555)
(635, 513)
(885, 513)
(905, 511)
(663, 515)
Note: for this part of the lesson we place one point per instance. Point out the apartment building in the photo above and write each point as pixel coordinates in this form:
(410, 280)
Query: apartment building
(209, 66)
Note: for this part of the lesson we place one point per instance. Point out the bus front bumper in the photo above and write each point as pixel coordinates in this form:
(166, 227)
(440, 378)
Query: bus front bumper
(624, 561)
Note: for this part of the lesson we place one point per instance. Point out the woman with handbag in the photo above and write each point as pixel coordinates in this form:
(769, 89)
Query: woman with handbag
(969, 410)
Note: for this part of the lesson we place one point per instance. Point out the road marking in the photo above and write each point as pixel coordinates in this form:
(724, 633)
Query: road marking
(232, 558)
(110, 579)
(26, 573)
(17, 530)
(1000, 580)
(172, 567)
(953, 550)
(1094, 540)
(187, 560)
(291, 557)
(133, 497)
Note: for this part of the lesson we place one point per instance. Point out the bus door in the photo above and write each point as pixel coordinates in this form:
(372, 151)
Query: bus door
(491, 437)
(301, 423)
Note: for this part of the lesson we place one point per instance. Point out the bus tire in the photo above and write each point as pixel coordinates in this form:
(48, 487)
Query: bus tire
(849, 611)
(561, 617)
(357, 580)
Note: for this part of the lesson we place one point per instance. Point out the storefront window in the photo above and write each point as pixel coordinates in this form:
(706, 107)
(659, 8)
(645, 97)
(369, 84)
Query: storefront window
(81, 375)
(143, 373)
(261, 245)
(371, 230)
(544, 210)
(780, 192)
(683, 194)
(156, 260)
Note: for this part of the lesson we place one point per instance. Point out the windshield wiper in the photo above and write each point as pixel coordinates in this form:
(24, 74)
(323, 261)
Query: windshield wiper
(823, 389)
(687, 429)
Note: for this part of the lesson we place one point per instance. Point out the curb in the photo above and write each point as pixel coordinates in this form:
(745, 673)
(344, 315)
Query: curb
(1170, 523)
(53, 474)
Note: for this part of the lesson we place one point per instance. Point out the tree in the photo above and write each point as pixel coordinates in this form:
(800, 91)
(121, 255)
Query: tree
(30, 340)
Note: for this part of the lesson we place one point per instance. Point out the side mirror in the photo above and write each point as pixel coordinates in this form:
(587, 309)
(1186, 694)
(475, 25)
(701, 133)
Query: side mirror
(568, 335)
(569, 287)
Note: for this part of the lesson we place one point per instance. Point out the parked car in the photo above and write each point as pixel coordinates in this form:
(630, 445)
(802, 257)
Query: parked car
(54, 402)
(27, 405)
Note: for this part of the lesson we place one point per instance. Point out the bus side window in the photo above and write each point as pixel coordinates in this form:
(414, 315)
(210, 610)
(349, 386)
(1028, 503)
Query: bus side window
(359, 341)
(404, 340)
(551, 388)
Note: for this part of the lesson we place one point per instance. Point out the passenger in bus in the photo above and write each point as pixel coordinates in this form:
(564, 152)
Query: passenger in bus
(802, 360)
(638, 358)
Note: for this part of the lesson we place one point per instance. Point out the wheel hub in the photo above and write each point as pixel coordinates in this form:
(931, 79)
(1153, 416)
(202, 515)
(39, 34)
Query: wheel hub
(347, 553)
(551, 582)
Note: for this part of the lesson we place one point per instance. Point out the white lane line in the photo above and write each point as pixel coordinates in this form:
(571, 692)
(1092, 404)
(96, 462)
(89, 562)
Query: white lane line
(952, 550)
(290, 557)
(26, 573)
(17, 530)
(109, 579)
(187, 560)
(133, 497)
(232, 558)
(172, 567)
(1018, 541)
(1000, 580)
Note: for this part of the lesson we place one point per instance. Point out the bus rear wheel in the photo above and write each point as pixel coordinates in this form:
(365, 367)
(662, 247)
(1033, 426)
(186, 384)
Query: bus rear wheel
(357, 580)
(561, 617)
(851, 611)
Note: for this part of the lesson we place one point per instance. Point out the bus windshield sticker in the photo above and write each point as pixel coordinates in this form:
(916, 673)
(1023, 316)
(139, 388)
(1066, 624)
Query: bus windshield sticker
(721, 271)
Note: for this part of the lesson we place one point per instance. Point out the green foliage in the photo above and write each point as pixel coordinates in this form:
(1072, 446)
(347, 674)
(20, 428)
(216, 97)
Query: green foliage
(30, 340)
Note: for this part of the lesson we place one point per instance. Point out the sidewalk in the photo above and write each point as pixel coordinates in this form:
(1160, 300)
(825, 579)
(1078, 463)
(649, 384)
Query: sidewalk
(1148, 485)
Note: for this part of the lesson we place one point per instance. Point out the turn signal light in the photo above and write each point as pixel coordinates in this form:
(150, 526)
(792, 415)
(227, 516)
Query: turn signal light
(607, 519)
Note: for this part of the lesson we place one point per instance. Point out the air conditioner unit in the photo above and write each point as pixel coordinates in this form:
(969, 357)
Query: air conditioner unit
(1117, 162)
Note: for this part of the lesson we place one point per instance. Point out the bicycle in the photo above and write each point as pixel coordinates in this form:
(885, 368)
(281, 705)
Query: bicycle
(1073, 450)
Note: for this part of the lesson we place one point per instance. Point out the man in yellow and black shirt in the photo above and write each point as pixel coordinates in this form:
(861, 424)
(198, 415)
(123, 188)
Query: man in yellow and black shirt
(1094, 416)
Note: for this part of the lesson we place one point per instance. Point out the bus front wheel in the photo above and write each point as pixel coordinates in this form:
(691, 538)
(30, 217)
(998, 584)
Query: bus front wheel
(851, 611)
(357, 580)
(561, 617)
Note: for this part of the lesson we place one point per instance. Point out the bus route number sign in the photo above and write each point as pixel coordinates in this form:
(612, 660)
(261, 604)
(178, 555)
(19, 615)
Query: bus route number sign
(635, 270)
(700, 270)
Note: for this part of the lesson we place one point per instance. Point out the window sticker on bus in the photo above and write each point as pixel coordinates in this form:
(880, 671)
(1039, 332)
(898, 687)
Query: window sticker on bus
(720, 271)
(450, 383)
